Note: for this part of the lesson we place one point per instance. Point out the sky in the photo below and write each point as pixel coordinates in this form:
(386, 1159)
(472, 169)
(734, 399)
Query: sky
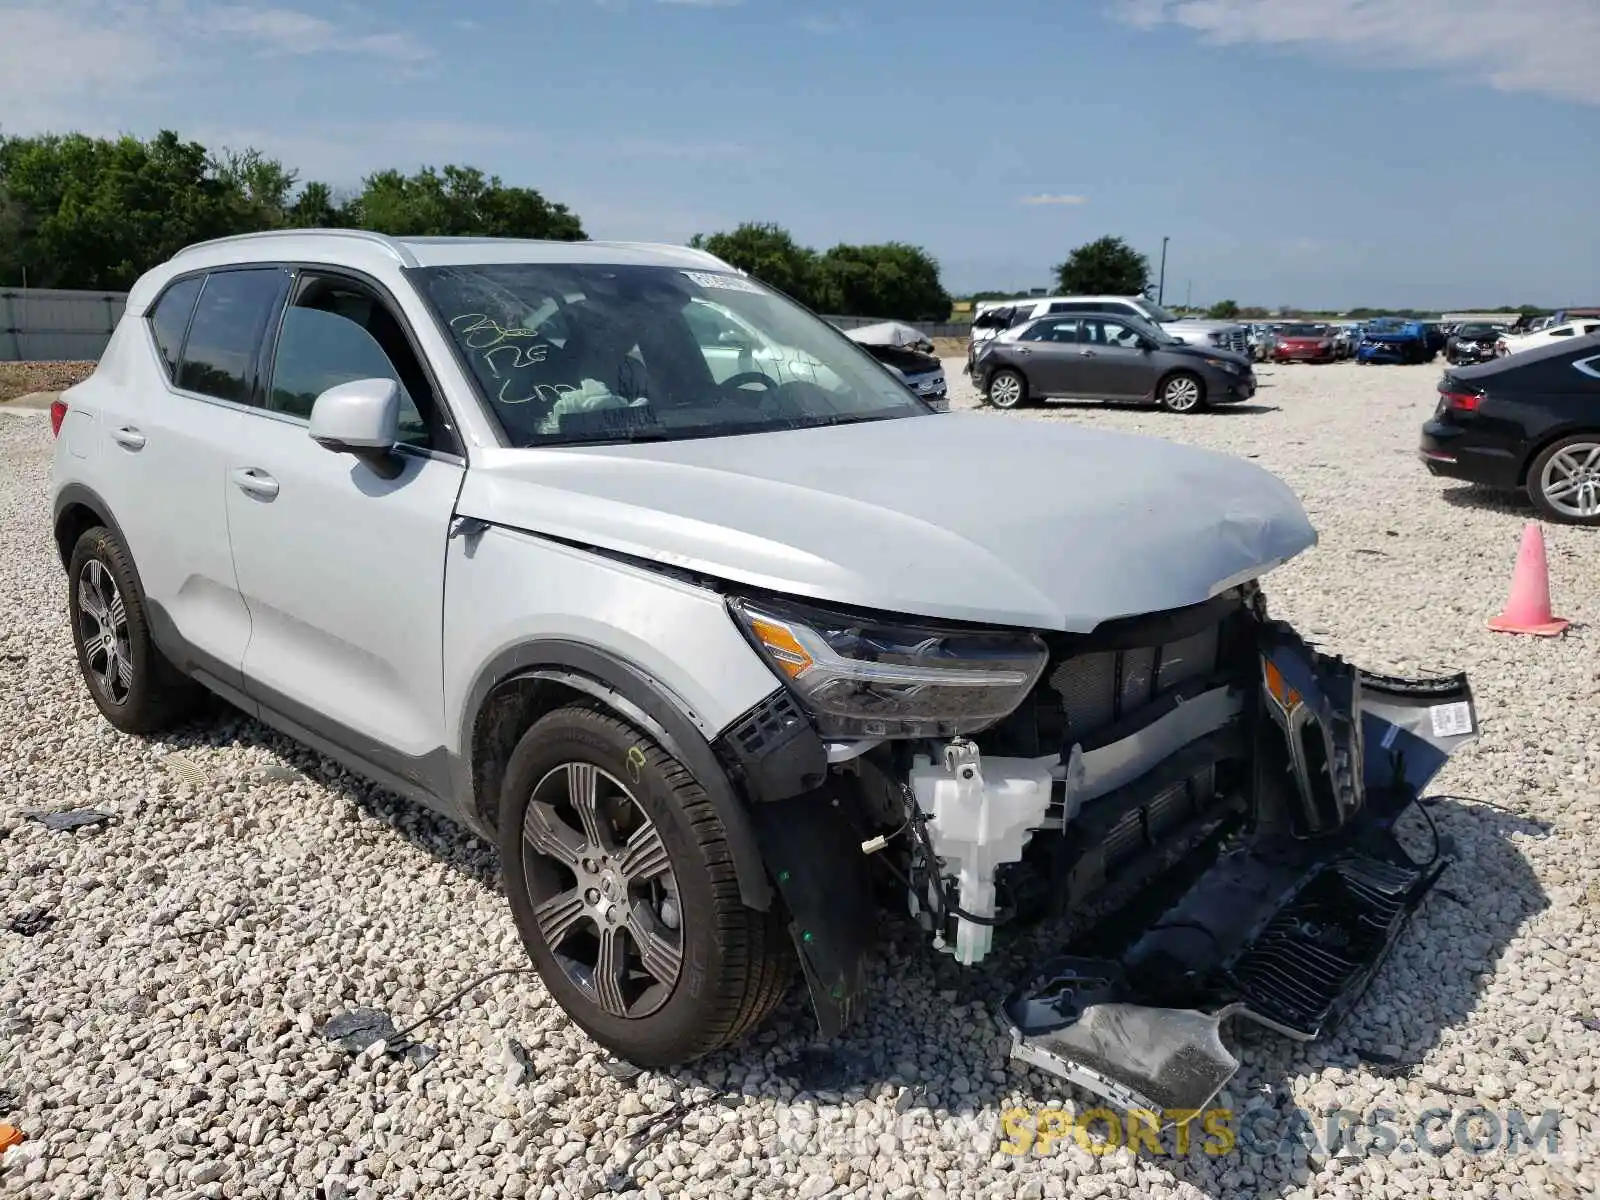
(1317, 153)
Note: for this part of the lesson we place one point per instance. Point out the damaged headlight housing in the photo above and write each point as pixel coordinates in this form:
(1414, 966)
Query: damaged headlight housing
(863, 676)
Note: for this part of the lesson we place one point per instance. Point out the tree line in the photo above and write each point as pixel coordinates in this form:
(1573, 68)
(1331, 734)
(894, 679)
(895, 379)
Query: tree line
(96, 213)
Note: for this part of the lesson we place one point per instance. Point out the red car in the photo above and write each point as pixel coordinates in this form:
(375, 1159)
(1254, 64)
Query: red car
(1303, 343)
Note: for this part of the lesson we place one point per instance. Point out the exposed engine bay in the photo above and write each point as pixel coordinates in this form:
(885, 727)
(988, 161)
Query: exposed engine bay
(1216, 795)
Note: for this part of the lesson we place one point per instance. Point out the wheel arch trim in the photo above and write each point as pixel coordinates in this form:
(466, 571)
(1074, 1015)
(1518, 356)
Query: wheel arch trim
(80, 495)
(636, 696)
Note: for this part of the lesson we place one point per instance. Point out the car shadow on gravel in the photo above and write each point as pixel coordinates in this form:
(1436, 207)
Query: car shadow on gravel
(1486, 499)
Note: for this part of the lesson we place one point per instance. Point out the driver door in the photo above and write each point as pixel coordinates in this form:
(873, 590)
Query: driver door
(1115, 362)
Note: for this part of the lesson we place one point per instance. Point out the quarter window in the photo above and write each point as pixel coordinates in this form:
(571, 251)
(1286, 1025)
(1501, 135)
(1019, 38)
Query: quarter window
(170, 319)
(220, 353)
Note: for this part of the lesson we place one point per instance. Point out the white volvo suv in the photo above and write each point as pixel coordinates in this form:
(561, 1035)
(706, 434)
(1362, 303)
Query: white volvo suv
(720, 660)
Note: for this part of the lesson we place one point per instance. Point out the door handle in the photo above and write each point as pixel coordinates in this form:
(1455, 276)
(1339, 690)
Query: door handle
(128, 437)
(1024, 350)
(1085, 353)
(254, 481)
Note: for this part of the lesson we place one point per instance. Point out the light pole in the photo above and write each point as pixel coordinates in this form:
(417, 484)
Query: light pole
(1161, 282)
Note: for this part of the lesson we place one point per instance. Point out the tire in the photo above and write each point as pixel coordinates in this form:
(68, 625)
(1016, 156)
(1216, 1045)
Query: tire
(726, 967)
(131, 682)
(1007, 389)
(1575, 461)
(1182, 392)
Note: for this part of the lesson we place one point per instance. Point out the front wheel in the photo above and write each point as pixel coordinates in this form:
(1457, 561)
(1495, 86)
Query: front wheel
(620, 879)
(1008, 389)
(1564, 480)
(1182, 393)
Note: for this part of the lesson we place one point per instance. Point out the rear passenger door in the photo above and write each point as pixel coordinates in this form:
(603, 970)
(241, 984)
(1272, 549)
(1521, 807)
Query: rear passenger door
(166, 460)
(1047, 352)
(341, 569)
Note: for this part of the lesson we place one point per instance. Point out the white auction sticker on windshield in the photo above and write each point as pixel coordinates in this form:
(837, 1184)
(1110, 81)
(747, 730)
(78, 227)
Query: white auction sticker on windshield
(728, 283)
(1451, 720)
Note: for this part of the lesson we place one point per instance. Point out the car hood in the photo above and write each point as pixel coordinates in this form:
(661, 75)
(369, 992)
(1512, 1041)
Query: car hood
(1193, 351)
(967, 517)
(1202, 323)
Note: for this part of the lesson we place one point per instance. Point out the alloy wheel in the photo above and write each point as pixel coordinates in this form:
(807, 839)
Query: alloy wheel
(1181, 394)
(103, 629)
(1005, 391)
(1570, 481)
(604, 894)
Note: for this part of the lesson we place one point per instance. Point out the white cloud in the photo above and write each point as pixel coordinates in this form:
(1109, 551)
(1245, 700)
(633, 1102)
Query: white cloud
(289, 31)
(1059, 198)
(1549, 47)
(825, 24)
(50, 58)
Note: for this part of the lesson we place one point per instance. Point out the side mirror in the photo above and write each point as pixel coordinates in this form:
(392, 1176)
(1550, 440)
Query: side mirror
(362, 418)
(1146, 345)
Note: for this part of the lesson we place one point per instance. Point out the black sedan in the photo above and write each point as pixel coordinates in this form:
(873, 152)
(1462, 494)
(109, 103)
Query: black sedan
(1472, 344)
(1526, 422)
(1093, 356)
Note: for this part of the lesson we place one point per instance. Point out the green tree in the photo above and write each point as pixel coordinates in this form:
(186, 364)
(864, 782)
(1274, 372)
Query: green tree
(1223, 310)
(892, 280)
(770, 254)
(98, 212)
(1107, 266)
(458, 202)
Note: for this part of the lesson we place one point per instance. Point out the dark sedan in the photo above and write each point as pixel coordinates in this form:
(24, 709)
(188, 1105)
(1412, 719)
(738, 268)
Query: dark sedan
(1472, 344)
(1092, 356)
(1527, 422)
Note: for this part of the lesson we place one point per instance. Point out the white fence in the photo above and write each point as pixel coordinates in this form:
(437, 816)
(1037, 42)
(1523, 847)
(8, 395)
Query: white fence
(54, 324)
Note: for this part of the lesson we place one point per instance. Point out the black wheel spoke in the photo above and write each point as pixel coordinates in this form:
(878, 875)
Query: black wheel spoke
(583, 793)
(644, 857)
(610, 970)
(551, 836)
(659, 953)
(559, 916)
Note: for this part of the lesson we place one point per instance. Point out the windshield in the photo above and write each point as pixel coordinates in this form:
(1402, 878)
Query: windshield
(1304, 331)
(1476, 331)
(1155, 312)
(1151, 330)
(568, 353)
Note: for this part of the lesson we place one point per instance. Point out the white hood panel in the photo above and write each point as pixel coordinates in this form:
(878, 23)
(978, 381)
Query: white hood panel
(965, 516)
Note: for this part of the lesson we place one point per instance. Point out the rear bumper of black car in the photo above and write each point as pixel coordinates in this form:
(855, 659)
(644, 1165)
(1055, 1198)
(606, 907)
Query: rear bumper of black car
(1458, 452)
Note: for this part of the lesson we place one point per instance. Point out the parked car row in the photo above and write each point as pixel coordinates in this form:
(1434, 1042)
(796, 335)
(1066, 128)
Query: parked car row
(1526, 422)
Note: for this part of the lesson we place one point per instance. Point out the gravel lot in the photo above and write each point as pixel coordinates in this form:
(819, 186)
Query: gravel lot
(160, 1037)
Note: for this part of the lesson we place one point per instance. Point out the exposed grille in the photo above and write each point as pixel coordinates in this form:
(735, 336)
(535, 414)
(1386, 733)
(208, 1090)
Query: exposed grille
(1238, 340)
(1096, 689)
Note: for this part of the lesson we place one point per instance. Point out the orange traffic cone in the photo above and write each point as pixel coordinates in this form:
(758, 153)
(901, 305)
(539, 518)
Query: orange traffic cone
(1528, 609)
(11, 1136)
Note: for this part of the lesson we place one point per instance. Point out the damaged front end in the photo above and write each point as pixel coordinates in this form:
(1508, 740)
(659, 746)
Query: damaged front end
(1214, 800)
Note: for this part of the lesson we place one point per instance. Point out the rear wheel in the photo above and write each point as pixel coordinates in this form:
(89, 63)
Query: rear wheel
(1564, 480)
(131, 682)
(621, 882)
(1182, 392)
(1008, 389)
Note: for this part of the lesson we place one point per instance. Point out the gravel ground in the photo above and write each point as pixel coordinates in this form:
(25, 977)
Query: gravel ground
(160, 1037)
(19, 379)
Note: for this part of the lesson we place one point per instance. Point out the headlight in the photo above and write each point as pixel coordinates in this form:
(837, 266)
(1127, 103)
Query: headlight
(877, 677)
(1232, 368)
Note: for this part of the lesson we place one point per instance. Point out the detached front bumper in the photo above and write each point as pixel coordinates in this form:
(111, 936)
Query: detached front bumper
(1283, 918)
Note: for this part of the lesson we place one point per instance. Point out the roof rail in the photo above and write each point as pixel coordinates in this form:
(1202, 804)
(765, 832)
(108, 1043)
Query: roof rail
(395, 248)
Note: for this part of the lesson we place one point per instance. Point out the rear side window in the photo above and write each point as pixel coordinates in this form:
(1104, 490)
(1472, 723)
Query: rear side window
(219, 356)
(170, 318)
